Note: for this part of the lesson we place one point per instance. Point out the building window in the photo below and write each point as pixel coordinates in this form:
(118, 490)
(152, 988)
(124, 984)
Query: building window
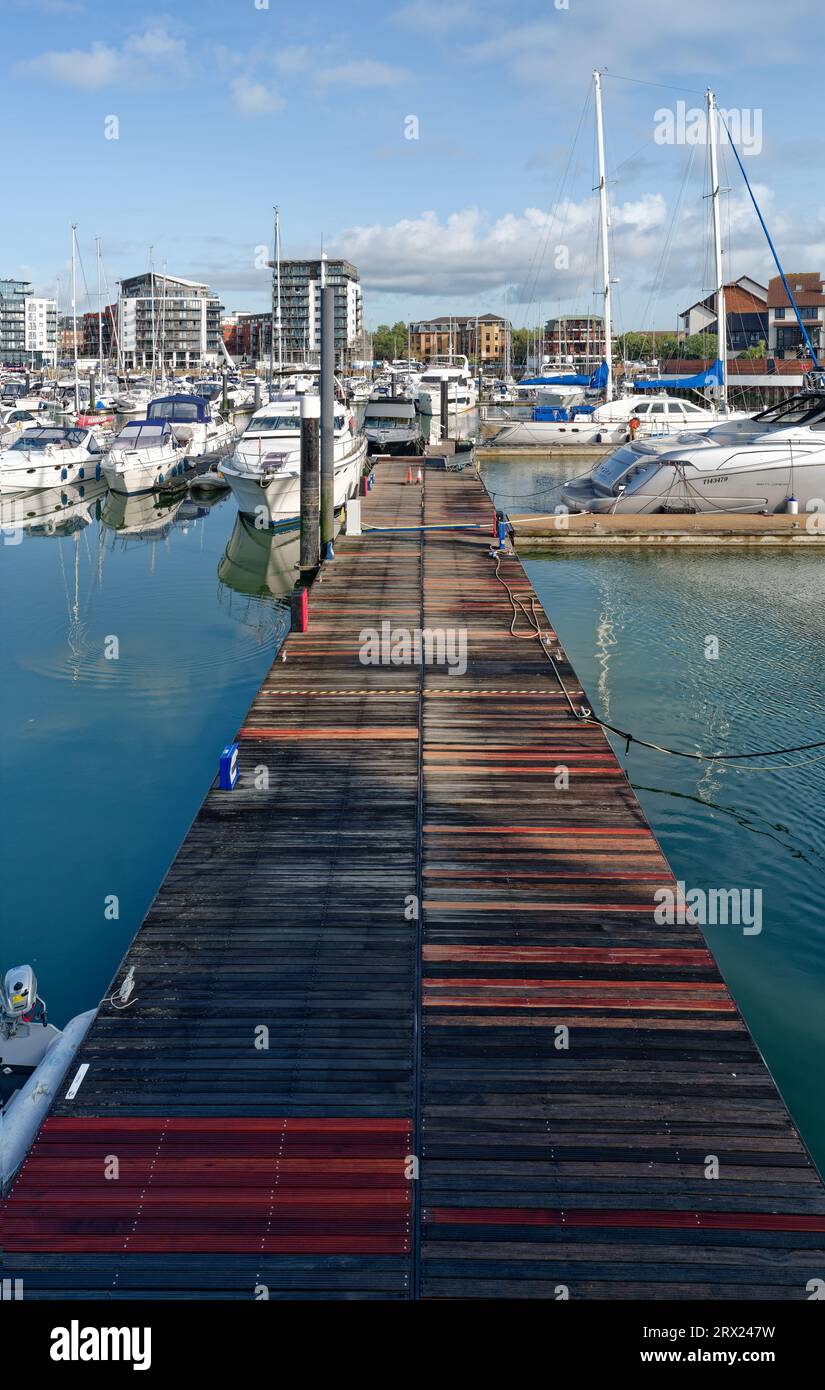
(779, 313)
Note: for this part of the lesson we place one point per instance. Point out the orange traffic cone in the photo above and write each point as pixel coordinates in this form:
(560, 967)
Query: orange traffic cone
(409, 472)
(420, 477)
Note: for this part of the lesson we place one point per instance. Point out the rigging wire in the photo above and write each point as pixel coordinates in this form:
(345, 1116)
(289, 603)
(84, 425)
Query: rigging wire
(586, 716)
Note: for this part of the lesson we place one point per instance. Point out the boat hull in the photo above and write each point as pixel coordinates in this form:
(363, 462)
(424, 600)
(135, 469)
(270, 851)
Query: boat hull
(743, 490)
(35, 477)
(273, 500)
(133, 475)
(526, 434)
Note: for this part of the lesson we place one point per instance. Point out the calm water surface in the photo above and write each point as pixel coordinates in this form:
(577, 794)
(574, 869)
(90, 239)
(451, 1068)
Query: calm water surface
(634, 624)
(105, 761)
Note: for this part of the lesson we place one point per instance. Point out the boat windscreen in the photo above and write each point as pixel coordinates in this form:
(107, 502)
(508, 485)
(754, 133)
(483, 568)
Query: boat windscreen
(134, 436)
(271, 424)
(388, 416)
(799, 410)
(42, 438)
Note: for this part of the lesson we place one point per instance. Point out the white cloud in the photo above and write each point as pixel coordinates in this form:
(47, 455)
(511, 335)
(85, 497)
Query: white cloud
(141, 57)
(361, 72)
(255, 98)
(469, 256)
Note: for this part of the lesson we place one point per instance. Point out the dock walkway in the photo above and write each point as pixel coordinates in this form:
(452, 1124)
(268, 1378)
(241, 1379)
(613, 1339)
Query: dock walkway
(320, 1092)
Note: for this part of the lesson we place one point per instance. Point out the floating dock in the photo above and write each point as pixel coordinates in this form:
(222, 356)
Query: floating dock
(403, 1024)
(662, 528)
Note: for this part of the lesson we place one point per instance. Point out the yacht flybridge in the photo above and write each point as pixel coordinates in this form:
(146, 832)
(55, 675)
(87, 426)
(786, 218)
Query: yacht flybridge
(264, 472)
(758, 464)
(453, 368)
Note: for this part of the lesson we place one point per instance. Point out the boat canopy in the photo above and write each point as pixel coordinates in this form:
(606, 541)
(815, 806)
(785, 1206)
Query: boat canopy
(712, 376)
(180, 409)
(596, 382)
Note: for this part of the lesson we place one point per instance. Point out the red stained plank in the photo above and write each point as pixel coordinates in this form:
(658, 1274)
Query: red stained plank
(572, 955)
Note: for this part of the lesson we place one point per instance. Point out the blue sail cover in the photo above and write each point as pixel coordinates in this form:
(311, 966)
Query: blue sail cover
(596, 382)
(712, 376)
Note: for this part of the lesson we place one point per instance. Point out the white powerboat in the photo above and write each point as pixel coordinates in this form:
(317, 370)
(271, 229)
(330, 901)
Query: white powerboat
(195, 423)
(48, 455)
(358, 388)
(461, 387)
(612, 422)
(134, 399)
(755, 463)
(392, 425)
(14, 421)
(264, 472)
(145, 455)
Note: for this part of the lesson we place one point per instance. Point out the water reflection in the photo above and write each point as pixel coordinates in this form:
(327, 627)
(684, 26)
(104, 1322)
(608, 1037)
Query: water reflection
(258, 562)
(54, 511)
(142, 516)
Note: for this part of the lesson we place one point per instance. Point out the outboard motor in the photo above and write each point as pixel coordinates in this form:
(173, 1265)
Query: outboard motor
(19, 1000)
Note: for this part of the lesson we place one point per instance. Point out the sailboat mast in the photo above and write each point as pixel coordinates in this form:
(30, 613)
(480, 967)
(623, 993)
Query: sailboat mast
(272, 302)
(99, 311)
(603, 222)
(278, 328)
(154, 340)
(719, 276)
(74, 319)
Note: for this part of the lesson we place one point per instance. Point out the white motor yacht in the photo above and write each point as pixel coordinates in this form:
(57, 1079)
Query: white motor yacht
(461, 386)
(144, 456)
(264, 472)
(196, 424)
(612, 422)
(762, 463)
(48, 455)
(13, 422)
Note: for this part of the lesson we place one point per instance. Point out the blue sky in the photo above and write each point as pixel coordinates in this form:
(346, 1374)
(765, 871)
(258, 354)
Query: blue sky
(225, 107)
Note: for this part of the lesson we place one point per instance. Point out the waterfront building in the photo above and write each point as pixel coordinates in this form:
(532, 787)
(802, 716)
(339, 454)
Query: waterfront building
(166, 318)
(28, 326)
(300, 286)
(577, 338)
(785, 336)
(746, 308)
(483, 338)
(89, 333)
